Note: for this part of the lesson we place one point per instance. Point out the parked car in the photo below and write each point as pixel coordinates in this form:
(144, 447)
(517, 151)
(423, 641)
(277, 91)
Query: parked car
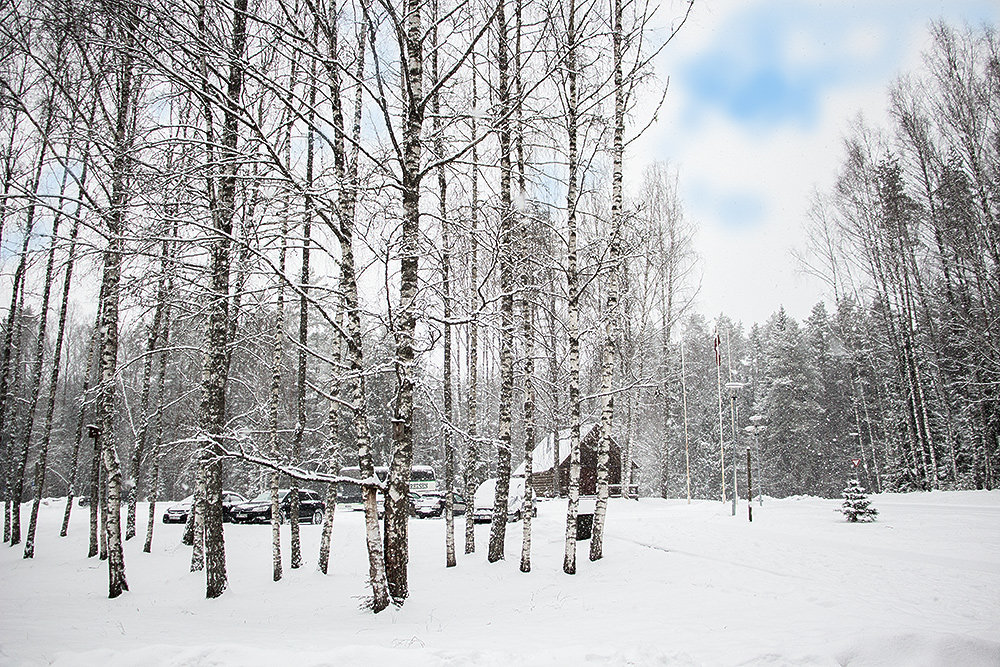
(486, 496)
(258, 510)
(431, 503)
(178, 512)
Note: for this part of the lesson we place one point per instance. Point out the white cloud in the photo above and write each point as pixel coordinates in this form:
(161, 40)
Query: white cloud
(728, 164)
(865, 42)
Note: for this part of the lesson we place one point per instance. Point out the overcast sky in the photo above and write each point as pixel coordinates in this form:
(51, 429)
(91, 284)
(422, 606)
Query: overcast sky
(761, 96)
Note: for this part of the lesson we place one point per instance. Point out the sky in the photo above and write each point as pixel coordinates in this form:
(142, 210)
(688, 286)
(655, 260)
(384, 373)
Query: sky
(761, 96)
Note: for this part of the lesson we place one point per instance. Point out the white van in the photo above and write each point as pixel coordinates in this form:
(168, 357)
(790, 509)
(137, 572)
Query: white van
(486, 497)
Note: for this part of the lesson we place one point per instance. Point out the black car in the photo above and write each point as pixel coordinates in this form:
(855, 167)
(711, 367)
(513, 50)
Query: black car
(178, 512)
(258, 510)
(431, 503)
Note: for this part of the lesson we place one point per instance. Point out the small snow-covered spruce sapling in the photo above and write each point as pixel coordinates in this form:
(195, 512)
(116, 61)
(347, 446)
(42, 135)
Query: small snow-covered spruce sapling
(857, 506)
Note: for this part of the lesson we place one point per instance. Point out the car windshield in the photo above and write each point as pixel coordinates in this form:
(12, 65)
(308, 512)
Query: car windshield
(265, 496)
(422, 474)
(349, 493)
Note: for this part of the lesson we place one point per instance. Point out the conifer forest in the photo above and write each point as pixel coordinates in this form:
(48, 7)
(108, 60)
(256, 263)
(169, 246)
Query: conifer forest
(247, 244)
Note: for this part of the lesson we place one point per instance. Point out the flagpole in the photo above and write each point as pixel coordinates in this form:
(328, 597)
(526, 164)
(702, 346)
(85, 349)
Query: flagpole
(722, 449)
(684, 399)
(732, 413)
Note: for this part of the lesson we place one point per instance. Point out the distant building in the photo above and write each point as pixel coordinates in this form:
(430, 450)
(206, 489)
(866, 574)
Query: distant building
(544, 469)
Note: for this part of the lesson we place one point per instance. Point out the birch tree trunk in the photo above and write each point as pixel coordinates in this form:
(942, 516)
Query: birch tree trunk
(42, 464)
(197, 519)
(78, 438)
(397, 495)
(103, 493)
(529, 293)
(355, 384)
(154, 485)
(275, 395)
(442, 183)
(96, 496)
(572, 280)
(110, 295)
(528, 507)
(301, 368)
(91, 352)
(216, 364)
(347, 174)
(498, 529)
(106, 389)
(472, 449)
(15, 490)
(333, 445)
(278, 344)
(611, 307)
(356, 387)
(138, 453)
(553, 363)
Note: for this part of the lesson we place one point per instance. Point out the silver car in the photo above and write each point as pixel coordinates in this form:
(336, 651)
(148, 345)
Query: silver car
(431, 504)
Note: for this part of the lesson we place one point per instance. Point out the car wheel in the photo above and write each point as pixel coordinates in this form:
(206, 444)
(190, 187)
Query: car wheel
(317, 517)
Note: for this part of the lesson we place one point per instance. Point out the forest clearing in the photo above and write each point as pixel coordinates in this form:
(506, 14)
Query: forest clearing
(333, 265)
(680, 585)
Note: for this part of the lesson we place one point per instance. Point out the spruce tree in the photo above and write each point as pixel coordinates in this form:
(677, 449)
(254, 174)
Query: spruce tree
(857, 506)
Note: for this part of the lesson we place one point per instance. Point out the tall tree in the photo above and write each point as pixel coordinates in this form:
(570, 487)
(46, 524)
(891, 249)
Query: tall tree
(573, 286)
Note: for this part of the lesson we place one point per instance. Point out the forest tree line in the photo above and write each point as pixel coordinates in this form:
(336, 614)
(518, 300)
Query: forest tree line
(281, 238)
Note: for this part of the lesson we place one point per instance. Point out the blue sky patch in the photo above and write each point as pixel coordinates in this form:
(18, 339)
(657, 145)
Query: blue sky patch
(771, 67)
(734, 209)
(767, 95)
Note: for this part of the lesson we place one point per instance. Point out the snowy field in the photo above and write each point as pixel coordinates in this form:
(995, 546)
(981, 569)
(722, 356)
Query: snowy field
(679, 585)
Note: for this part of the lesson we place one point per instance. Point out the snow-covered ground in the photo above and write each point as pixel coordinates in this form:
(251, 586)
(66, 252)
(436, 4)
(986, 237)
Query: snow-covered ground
(679, 585)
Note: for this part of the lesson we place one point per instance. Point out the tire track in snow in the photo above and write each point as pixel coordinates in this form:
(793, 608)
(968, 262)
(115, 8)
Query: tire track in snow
(691, 554)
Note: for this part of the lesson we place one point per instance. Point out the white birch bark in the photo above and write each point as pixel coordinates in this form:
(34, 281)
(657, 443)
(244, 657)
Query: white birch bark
(139, 451)
(275, 397)
(498, 528)
(15, 479)
(611, 307)
(154, 485)
(42, 463)
(198, 520)
(78, 438)
(222, 201)
(111, 285)
(472, 448)
(528, 294)
(442, 183)
(397, 495)
(528, 506)
(572, 280)
(303, 338)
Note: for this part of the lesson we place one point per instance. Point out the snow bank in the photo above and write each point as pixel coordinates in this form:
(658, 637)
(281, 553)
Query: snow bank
(680, 584)
(917, 650)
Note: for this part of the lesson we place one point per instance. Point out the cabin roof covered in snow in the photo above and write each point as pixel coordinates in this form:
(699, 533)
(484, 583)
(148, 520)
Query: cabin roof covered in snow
(542, 455)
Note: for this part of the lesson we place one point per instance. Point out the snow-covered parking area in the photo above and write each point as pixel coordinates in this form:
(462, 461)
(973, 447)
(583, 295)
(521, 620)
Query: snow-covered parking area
(679, 585)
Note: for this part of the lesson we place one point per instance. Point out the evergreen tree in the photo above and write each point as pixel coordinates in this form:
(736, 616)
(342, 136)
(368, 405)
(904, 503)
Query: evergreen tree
(789, 398)
(857, 507)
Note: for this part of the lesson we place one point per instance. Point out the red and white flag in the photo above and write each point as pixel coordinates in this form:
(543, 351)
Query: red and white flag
(718, 349)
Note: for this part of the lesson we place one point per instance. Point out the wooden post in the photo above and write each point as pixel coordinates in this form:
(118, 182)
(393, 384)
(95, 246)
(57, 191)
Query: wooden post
(749, 488)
